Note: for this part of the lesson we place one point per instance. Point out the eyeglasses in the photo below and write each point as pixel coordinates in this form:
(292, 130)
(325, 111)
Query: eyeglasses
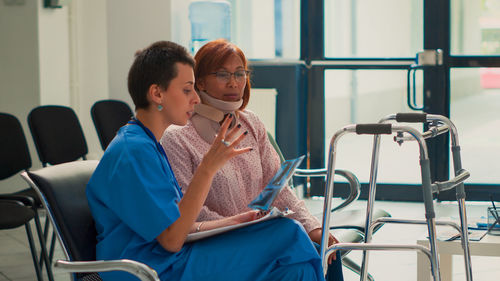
(225, 76)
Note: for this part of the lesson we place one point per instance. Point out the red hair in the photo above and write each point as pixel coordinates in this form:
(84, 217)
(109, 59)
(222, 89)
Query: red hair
(212, 56)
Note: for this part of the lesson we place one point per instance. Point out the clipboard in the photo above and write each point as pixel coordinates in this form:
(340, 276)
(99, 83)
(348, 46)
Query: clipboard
(262, 202)
(265, 199)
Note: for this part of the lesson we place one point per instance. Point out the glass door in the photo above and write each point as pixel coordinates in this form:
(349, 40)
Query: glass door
(474, 93)
(361, 77)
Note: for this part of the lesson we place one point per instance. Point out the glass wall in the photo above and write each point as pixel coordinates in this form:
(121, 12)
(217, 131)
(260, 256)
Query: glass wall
(367, 28)
(366, 96)
(475, 110)
(475, 27)
(263, 29)
(388, 29)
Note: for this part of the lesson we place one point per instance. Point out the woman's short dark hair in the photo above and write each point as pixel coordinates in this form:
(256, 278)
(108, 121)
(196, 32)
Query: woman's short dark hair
(155, 64)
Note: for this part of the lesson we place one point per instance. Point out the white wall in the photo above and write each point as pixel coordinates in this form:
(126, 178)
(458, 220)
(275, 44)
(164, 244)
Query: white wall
(88, 64)
(19, 76)
(52, 56)
(53, 49)
(132, 25)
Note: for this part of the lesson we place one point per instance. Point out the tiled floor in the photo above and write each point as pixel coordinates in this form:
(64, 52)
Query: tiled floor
(16, 263)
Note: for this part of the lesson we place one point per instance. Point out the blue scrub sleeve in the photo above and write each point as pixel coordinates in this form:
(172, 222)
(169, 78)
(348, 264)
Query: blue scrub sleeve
(144, 195)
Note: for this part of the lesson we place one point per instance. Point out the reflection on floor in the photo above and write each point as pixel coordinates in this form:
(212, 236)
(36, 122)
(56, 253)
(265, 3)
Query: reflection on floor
(16, 264)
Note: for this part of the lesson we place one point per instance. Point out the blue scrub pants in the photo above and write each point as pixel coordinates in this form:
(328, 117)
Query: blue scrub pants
(278, 249)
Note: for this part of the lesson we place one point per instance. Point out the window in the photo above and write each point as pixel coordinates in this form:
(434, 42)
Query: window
(263, 29)
(367, 28)
(475, 28)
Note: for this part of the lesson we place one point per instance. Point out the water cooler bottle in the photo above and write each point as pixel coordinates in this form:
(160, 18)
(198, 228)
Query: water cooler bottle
(209, 20)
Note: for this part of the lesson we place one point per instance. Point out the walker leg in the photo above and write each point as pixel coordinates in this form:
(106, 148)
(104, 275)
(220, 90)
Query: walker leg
(465, 238)
(430, 215)
(460, 191)
(431, 226)
(369, 204)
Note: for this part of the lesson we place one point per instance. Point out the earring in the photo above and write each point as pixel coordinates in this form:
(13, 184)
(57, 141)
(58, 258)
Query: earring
(160, 107)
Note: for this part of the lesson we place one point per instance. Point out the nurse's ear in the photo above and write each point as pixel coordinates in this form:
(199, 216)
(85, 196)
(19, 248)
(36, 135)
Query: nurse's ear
(155, 94)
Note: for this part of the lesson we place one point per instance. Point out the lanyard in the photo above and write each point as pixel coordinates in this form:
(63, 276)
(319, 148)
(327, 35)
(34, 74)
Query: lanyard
(150, 134)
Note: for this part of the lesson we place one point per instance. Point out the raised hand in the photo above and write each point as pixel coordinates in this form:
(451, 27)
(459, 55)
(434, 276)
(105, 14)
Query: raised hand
(223, 147)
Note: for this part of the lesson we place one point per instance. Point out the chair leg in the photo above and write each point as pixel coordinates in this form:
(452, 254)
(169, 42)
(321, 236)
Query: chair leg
(347, 262)
(52, 242)
(45, 236)
(52, 246)
(43, 251)
(46, 228)
(33, 252)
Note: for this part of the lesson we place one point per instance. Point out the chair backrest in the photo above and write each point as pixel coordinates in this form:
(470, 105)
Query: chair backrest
(62, 189)
(108, 117)
(13, 147)
(57, 134)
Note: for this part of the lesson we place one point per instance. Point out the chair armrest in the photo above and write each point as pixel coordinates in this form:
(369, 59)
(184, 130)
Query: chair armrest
(25, 200)
(140, 270)
(310, 172)
(354, 185)
(353, 181)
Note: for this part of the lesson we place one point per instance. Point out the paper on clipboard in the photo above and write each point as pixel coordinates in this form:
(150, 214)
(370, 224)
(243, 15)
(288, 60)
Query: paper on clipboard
(274, 213)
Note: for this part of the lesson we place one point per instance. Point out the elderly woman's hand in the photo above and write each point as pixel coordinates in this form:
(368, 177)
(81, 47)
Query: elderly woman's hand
(247, 216)
(315, 236)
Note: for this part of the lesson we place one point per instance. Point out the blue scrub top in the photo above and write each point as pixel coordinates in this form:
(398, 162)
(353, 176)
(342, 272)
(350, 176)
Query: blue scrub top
(133, 196)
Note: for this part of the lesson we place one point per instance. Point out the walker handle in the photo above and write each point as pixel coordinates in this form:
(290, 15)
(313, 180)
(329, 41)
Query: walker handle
(411, 117)
(373, 129)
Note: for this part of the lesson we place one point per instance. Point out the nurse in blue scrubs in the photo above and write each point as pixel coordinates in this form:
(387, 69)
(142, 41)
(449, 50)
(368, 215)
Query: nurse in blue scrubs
(139, 209)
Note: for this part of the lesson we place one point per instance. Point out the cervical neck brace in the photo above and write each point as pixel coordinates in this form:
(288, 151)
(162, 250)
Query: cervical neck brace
(210, 113)
(215, 109)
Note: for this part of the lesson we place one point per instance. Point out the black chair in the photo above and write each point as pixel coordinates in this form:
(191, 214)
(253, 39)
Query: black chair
(15, 153)
(58, 138)
(108, 117)
(57, 134)
(17, 209)
(62, 189)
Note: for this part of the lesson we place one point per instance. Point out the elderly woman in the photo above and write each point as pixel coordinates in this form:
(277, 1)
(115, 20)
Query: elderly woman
(223, 84)
(141, 213)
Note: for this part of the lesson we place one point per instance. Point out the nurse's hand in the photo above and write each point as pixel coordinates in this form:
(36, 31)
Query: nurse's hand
(223, 147)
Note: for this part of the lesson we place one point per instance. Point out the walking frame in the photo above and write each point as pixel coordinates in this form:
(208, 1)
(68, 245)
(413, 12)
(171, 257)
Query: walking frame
(437, 125)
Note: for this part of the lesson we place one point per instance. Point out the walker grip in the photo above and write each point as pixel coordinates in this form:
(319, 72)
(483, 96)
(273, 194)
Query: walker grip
(446, 185)
(373, 129)
(411, 117)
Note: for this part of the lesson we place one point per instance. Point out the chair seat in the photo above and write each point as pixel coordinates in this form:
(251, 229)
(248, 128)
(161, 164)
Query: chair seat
(22, 215)
(355, 219)
(347, 235)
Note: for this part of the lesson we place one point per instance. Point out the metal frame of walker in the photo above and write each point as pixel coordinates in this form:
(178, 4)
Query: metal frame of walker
(437, 125)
